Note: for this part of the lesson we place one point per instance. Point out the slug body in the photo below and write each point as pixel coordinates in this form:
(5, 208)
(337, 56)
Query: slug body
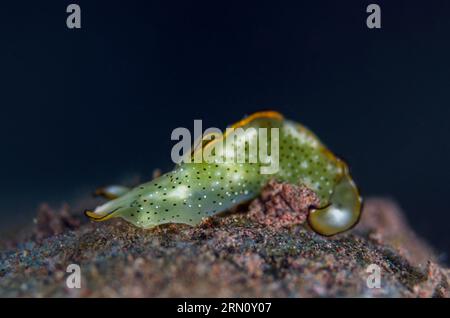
(194, 191)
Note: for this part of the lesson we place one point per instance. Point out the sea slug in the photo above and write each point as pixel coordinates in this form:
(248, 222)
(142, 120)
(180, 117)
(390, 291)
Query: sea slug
(193, 191)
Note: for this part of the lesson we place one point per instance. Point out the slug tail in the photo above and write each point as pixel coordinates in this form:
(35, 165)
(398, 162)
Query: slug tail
(343, 211)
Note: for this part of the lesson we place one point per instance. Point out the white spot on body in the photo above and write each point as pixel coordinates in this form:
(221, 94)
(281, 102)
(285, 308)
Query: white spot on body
(337, 217)
(180, 192)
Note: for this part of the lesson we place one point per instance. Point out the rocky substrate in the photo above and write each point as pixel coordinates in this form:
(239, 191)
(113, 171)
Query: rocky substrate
(262, 249)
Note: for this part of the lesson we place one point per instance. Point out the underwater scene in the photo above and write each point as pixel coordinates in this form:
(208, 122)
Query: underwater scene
(197, 151)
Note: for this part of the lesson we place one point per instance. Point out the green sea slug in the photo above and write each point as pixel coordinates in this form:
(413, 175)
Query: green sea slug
(193, 191)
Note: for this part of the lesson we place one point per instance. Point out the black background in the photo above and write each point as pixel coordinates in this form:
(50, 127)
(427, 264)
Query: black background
(82, 108)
